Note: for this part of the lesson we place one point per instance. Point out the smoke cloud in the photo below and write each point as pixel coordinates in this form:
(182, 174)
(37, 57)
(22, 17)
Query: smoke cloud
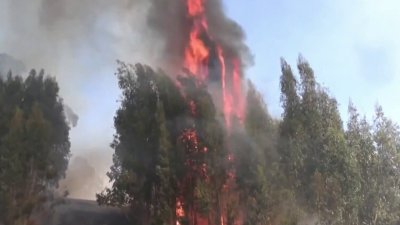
(168, 19)
(86, 176)
(8, 63)
(71, 116)
(78, 41)
(60, 35)
(80, 179)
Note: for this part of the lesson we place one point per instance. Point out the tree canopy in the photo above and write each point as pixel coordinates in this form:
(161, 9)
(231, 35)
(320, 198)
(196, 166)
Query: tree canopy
(174, 160)
(34, 144)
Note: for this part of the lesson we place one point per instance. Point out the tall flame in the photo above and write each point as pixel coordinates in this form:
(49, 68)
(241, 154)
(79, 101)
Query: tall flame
(196, 7)
(238, 92)
(197, 58)
(225, 95)
(208, 60)
(197, 54)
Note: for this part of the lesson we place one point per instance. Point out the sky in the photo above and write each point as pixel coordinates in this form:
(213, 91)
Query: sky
(353, 47)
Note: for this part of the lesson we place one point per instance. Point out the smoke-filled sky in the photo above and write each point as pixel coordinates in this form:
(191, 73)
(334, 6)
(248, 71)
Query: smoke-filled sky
(354, 48)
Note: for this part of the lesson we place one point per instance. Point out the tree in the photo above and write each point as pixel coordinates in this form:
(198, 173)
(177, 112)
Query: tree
(136, 143)
(290, 128)
(312, 147)
(164, 201)
(169, 149)
(386, 136)
(255, 157)
(359, 139)
(34, 144)
(175, 163)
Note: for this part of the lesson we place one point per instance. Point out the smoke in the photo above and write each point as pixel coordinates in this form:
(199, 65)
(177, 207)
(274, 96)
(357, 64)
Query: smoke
(78, 42)
(83, 180)
(76, 39)
(17, 67)
(168, 19)
(9, 63)
(71, 116)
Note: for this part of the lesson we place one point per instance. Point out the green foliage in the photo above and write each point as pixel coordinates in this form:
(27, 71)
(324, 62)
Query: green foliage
(345, 177)
(153, 163)
(303, 169)
(34, 144)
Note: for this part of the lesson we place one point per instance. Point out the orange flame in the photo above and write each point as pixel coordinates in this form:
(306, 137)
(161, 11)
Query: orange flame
(201, 51)
(197, 57)
(225, 95)
(195, 7)
(196, 54)
(238, 93)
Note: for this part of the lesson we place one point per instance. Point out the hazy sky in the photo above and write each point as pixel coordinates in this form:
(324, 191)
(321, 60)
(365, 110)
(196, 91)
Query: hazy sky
(353, 47)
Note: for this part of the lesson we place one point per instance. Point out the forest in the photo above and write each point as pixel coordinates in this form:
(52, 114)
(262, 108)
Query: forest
(176, 162)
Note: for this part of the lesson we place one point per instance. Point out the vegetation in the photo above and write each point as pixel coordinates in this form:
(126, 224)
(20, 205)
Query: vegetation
(171, 151)
(34, 144)
(175, 161)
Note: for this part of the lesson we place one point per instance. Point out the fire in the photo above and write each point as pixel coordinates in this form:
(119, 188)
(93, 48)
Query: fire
(196, 55)
(179, 212)
(196, 7)
(190, 139)
(225, 96)
(197, 52)
(201, 45)
(179, 209)
(208, 60)
(238, 92)
(191, 143)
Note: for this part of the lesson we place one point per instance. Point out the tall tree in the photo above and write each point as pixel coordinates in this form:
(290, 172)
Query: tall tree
(163, 190)
(290, 129)
(255, 160)
(136, 142)
(169, 150)
(34, 144)
(360, 141)
(312, 146)
(386, 135)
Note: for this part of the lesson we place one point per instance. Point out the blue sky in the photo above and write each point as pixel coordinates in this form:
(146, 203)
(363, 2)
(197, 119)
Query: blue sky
(353, 47)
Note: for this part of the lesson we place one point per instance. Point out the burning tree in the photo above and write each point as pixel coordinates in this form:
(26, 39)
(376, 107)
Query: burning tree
(209, 60)
(175, 162)
(169, 158)
(171, 136)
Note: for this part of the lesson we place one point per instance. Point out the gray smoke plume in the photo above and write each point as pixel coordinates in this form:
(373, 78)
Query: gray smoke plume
(54, 34)
(78, 41)
(71, 116)
(86, 176)
(168, 19)
(81, 179)
(9, 63)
